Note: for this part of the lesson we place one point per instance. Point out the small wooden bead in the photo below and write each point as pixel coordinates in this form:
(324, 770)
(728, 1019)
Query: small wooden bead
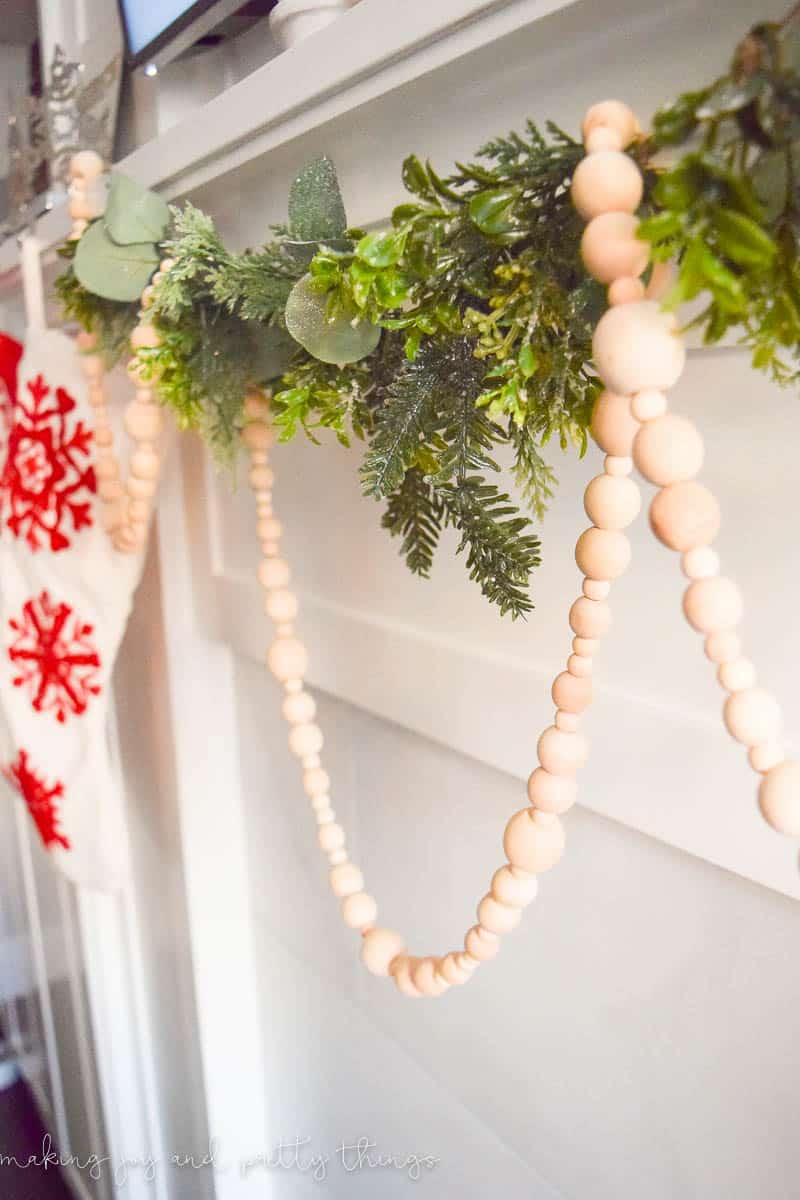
(625, 290)
(287, 658)
(379, 949)
(467, 961)
(166, 265)
(610, 248)
(261, 477)
(685, 515)
(614, 465)
(590, 618)
(779, 798)
(562, 753)
(552, 793)
(324, 816)
(128, 539)
(579, 666)
(637, 346)
(602, 137)
(86, 165)
(604, 182)
(567, 722)
(147, 297)
(110, 489)
(533, 841)
(701, 562)
(145, 335)
(337, 857)
(481, 947)
(145, 464)
(305, 739)
(585, 647)
(273, 573)
(723, 646)
(571, 694)
(319, 802)
(713, 605)
(359, 910)
(316, 782)
(299, 708)
(611, 114)
(668, 450)
(515, 891)
(257, 435)
(141, 489)
(270, 549)
(602, 554)
(737, 675)
(103, 437)
(426, 978)
(139, 372)
(613, 427)
(281, 605)
(92, 366)
(765, 756)
(86, 341)
(114, 513)
(453, 971)
(143, 422)
(752, 716)
(612, 502)
(330, 837)
(82, 208)
(346, 880)
(401, 973)
(256, 406)
(596, 589)
(497, 917)
(106, 467)
(269, 529)
(649, 404)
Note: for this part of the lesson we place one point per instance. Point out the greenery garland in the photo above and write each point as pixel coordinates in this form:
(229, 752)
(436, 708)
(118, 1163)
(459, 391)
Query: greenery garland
(466, 326)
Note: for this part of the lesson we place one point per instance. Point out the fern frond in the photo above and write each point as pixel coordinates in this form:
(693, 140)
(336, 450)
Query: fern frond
(416, 514)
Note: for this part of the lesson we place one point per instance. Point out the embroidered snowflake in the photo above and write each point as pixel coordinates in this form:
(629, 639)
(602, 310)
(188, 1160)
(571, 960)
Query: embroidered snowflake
(55, 657)
(42, 801)
(47, 473)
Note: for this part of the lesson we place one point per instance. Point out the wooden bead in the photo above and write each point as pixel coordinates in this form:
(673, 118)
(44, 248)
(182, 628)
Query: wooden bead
(637, 347)
(596, 589)
(379, 949)
(604, 182)
(737, 675)
(143, 422)
(616, 466)
(147, 296)
(723, 646)
(610, 248)
(86, 341)
(590, 618)
(330, 837)
(779, 798)
(685, 515)
(482, 947)
(585, 647)
(612, 503)
(337, 857)
(571, 694)
(103, 437)
(261, 477)
(273, 573)
(401, 970)
(514, 891)
(256, 406)
(141, 489)
(110, 489)
(281, 605)
(562, 753)
(83, 208)
(602, 138)
(287, 658)
(257, 435)
(324, 815)
(92, 366)
(497, 917)
(552, 793)
(668, 449)
(299, 708)
(305, 739)
(453, 971)
(712, 605)
(359, 910)
(269, 529)
(611, 114)
(86, 165)
(114, 512)
(139, 372)
(752, 716)
(625, 290)
(602, 554)
(647, 405)
(579, 666)
(764, 757)
(316, 782)
(567, 722)
(106, 467)
(533, 841)
(145, 464)
(425, 976)
(701, 562)
(145, 336)
(613, 427)
(346, 880)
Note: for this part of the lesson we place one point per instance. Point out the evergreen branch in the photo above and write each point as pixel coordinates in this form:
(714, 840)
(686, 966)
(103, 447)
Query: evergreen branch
(415, 513)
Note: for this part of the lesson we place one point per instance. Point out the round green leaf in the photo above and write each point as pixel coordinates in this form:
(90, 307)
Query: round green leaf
(134, 214)
(112, 271)
(336, 341)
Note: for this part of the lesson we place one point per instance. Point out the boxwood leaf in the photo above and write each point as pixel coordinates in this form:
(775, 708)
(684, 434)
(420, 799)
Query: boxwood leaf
(134, 214)
(110, 270)
(336, 340)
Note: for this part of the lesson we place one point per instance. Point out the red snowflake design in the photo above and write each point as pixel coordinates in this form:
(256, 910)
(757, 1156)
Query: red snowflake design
(42, 801)
(56, 658)
(45, 474)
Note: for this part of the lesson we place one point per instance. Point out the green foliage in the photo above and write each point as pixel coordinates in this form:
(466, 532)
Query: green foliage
(134, 214)
(111, 321)
(110, 270)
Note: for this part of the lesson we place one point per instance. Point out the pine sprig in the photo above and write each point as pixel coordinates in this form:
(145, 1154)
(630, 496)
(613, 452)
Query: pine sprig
(415, 513)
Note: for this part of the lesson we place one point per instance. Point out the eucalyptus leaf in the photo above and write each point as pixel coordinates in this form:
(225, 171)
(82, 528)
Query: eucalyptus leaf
(332, 341)
(316, 209)
(491, 210)
(134, 214)
(110, 270)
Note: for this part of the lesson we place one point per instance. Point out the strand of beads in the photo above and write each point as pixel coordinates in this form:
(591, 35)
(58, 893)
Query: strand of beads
(126, 506)
(639, 355)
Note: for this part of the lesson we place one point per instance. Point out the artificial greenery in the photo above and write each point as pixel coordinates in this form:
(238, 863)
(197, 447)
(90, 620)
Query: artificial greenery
(465, 328)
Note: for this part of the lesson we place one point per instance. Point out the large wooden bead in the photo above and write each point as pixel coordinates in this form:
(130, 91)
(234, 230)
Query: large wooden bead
(145, 336)
(86, 164)
(571, 694)
(299, 707)
(606, 182)
(752, 716)
(713, 605)
(613, 427)
(668, 449)
(589, 618)
(143, 422)
(637, 347)
(723, 646)
(287, 659)
(612, 502)
(257, 435)
(379, 948)
(359, 910)
(552, 793)
(602, 554)
(611, 114)
(533, 841)
(346, 880)
(481, 944)
(515, 891)
(685, 515)
(562, 753)
(145, 464)
(496, 916)
(610, 248)
(779, 797)
(330, 837)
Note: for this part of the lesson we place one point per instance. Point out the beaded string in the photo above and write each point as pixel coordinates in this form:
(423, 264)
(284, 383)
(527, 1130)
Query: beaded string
(639, 355)
(126, 506)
